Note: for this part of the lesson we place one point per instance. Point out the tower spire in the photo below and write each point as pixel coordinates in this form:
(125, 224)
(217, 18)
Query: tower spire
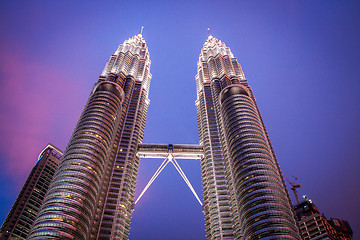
(142, 28)
(209, 32)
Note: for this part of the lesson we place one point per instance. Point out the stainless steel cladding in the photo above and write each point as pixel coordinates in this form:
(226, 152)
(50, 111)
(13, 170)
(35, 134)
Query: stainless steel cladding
(92, 193)
(69, 207)
(244, 193)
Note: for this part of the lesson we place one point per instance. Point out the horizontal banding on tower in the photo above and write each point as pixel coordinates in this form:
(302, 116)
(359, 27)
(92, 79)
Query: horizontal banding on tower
(263, 205)
(232, 90)
(70, 204)
(110, 87)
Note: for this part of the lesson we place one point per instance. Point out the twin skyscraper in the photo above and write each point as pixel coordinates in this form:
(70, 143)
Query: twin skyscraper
(92, 193)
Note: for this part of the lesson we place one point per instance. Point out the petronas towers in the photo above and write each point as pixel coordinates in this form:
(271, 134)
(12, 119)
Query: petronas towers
(92, 193)
(244, 194)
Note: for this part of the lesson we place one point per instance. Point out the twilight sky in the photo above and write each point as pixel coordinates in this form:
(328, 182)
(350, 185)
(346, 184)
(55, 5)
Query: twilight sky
(300, 57)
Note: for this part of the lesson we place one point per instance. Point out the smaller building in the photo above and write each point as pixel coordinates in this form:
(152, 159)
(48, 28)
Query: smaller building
(18, 222)
(314, 226)
(342, 228)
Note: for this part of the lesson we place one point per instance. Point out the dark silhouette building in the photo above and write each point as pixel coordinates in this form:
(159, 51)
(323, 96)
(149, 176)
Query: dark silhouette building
(314, 225)
(27, 205)
(342, 227)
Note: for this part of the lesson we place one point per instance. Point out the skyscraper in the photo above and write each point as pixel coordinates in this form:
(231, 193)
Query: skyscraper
(314, 225)
(92, 193)
(27, 205)
(91, 196)
(244, 194)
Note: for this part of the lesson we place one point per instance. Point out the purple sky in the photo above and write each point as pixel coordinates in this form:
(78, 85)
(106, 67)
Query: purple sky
(300, 57)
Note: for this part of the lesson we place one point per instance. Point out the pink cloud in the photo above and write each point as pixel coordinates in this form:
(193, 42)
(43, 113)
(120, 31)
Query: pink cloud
(31, 107)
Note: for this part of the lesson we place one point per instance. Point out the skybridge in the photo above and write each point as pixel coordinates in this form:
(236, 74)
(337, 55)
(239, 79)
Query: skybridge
(179, 151)
(170, 152)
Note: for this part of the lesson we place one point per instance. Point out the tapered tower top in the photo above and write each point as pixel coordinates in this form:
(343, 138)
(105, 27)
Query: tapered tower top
(131, 59)
(215, 61)
(135, 44)
(214, 46)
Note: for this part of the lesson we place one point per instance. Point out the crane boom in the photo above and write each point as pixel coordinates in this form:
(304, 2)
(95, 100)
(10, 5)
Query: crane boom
(294, 185)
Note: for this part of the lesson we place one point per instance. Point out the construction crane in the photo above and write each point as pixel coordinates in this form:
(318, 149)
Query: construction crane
(294, 185)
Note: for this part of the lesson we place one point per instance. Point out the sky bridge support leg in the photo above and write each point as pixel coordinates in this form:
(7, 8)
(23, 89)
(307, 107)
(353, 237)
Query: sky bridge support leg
(158, 171)
(182, 174)
(169, 158)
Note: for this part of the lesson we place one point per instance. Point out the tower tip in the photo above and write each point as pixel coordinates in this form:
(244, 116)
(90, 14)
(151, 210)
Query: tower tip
(209, 32)
(142, 28)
